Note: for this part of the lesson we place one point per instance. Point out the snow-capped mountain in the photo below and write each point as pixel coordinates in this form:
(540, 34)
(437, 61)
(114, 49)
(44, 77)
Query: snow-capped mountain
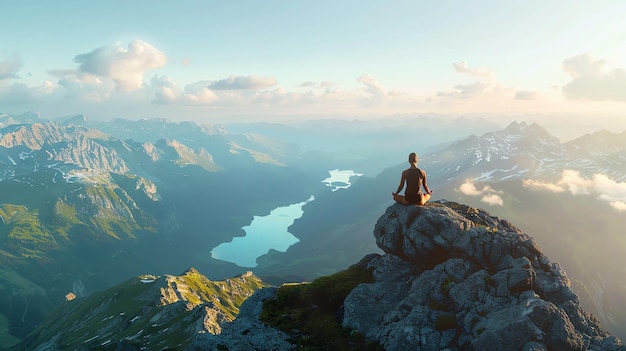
(523, 151)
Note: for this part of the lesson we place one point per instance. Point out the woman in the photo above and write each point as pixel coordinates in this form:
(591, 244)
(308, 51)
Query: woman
(414, 178)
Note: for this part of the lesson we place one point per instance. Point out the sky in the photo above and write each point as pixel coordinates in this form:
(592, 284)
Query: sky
(261, 60)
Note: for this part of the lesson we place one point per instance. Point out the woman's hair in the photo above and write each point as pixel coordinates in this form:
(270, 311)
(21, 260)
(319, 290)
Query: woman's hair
(413, 157)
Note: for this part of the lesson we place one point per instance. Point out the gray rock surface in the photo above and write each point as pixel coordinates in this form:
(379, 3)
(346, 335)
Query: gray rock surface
(455, 278)
(246, 332)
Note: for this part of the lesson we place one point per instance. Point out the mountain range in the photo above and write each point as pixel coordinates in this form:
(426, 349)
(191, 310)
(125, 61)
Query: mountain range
(81, 208)
(86, 205)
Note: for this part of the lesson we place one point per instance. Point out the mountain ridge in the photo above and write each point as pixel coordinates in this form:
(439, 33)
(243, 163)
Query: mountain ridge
(521, 149)
(151, 311)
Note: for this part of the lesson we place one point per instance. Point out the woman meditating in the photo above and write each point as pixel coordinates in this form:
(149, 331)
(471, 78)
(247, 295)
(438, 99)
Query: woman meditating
(414, 178)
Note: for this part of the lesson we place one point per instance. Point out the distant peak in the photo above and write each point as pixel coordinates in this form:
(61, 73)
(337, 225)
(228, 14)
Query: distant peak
(532, 129)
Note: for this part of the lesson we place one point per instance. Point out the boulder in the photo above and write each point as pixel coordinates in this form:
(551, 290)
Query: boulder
(454, 277)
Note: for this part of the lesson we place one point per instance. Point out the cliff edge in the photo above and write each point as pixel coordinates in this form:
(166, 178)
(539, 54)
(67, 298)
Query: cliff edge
(454, 277)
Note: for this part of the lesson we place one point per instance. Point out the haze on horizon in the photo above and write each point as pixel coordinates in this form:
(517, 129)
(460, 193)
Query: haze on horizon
(218, 62)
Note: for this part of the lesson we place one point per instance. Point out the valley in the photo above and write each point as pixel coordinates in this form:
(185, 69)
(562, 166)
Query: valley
(99, 202)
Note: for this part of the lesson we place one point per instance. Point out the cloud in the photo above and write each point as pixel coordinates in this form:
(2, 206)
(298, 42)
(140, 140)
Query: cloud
(237, 93)
(489, 195)
(125, 66)
(462, 67)
(486, 83)
(83, 86)
(541, 185)
(603, 187)
(465, 91)
(22, 94)
(493, 199)
(10, 66)
(609, 189)
(372, 86)
(243, 83)
(374, 92)
(591, 80)
(468, 188)
(570, 181)
(166, 92)
(323, 84)
(525, 95)
(619, 205)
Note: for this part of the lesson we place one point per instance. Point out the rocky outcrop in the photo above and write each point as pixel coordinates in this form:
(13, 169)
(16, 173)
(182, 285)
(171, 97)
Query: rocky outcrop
(32, 136)
(453, 277)
(89, 154)
(246, 332)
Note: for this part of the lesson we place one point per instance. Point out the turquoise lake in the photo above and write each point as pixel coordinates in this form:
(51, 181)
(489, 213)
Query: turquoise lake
(270, 231)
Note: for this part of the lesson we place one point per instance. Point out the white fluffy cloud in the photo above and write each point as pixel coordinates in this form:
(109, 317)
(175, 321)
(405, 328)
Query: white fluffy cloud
(243, 83)
(113, 80)
(372, 88)
(619, 205)
(485, 89)
(166, 92)
(486, 84)
(125, 66)
(468, 188)
(10, 66)
(85, 87)
(372, 93)
(555, 188)
(483, 72)
(493, 200)
(489, 195)
(22, 94)
(244, 92)
(599, 185)
(592, 80)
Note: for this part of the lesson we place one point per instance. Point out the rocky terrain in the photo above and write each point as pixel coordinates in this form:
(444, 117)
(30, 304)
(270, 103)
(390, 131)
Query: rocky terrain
(146, 312)
(455, 277)
(452, 278)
